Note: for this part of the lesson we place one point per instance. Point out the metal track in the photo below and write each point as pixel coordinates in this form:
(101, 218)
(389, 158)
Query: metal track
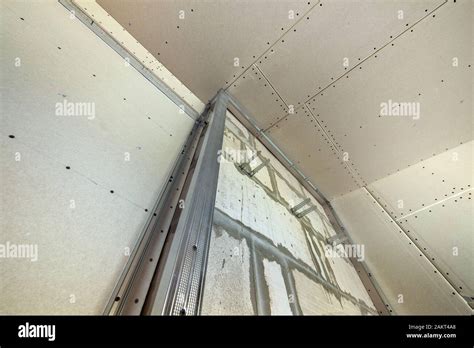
(245, 117)
(182, 274)
(181, 282)
(130, 294)
(373, 288)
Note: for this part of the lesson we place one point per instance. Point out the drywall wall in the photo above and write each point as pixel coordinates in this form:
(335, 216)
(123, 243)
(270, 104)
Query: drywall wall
(121, 35)
(417, 229)
(432, 201)
(262, 258)
(331, 62)
(414, 210)
(87, 145)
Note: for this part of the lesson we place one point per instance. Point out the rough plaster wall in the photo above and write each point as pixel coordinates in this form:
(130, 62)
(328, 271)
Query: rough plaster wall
(315, 299)
(66, 184)
(286, 259)
(279, 304)
(228, 271)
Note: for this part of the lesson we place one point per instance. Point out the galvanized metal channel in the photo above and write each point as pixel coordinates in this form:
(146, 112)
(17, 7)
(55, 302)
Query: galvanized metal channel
(259, 244)
(131, 292)
(245, 117)
(183, 273)
(182, 279)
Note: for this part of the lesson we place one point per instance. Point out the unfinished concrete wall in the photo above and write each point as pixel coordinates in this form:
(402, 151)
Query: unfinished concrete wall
(263, 259)
(87, 144)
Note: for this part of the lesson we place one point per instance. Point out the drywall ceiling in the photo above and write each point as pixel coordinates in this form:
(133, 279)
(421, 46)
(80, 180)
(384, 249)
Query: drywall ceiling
(334, 63)
(202, 41)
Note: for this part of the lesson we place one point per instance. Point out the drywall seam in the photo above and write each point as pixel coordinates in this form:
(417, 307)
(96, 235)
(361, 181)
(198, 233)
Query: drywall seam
(347, 164)
(272, 45)
(431, 205)
(327, 278)
(376, 295)
(270, 84)
(365, 59)
(414, 242)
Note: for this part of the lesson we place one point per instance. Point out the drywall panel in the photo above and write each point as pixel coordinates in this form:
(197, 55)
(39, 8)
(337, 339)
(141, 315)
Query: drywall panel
(446, 230)
(124, 38)
(428, 70)
(431, 200)
(410, 283)
(332, 38)
(201, 42)
(404, 51)
(305, 143)
(79, 236)
(266, 106)
(90, 143)
(426, 183)
(258, 211)
(98, 92)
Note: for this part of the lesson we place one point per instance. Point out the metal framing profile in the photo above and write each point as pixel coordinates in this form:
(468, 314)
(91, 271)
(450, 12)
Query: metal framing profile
(166, 271)
(372, 287)
(131, 294)
(181, 282)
